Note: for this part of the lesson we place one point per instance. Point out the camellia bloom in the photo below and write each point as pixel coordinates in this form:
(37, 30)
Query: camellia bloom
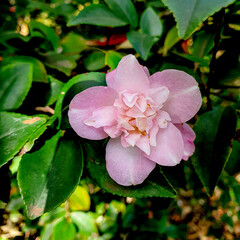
(143, 115)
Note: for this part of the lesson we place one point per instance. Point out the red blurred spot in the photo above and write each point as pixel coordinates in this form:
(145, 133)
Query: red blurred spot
(12, 9)
(185, 45)
(113, 40)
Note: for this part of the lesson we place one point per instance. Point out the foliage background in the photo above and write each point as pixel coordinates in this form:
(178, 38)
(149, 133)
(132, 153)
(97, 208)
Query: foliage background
(46, 49)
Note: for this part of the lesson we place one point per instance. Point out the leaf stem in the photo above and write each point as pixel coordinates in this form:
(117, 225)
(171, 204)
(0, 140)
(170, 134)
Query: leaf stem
(212, 66)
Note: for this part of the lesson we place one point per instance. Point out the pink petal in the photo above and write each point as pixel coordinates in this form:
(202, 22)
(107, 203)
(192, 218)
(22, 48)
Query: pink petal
(188, 136)
(159, 95)
(113, 131)
(169, 149)
(184, 99)
(129, 75)
(110, 78)
(144, 144)
(82, 106)
(102, 117)
(127, 166)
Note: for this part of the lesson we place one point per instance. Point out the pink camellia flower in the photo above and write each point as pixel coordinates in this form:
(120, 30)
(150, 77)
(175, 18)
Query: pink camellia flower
(143, 115)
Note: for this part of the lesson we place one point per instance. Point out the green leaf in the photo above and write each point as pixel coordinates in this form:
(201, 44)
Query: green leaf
(141, 42)
(55, 90)
(79, 200)
(95, 61)
(125, 10)
(73, 43)
(15, 82)
(85, 223)
(47, 231)
(60, 62)
(201, 61)
(112, 59)
(95, 163)
(99, 15)
(47, 32)
(214, 132)
(64, 230)
(150, 23)
(86, 77)
(15, 131)
(233, 164)
(189, 14)
(39, 71)
(203, 44)
(171, 39)
(47, 177)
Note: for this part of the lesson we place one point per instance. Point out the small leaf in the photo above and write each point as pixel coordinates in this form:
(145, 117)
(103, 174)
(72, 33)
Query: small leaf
(55, 90)
(15, 132)
(99, 15)
(112, 59)
(47, 32)
(203, 44)
(233, 164)
(150, 23)
(156, 187)
(64, 230)
(15, 82)
(85, 223)
(214, 132)
(171, 39)
(189, 14)
(73, 43)
(141, 42)
(48, 176)
(125, 10)
(79, 200)
(95, 61)
(60, 62)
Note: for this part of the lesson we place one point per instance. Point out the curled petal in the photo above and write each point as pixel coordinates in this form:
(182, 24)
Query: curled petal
(188, 136)
(169, 147)
(82, 106)
(127, 165)
(129, 75)
(184, 99)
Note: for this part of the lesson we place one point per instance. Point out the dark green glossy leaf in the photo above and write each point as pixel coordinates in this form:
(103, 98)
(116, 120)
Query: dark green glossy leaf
(39, 71)
(150, 23)
(15, 82)
(15, 131)
(233, 164)
(141, 42)
(64, 230)
(214, 132)
(151, 187)
(97, 14)
(47, 177)
(190, 14)
(55, 90)
(95, 61)
(125, 10)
